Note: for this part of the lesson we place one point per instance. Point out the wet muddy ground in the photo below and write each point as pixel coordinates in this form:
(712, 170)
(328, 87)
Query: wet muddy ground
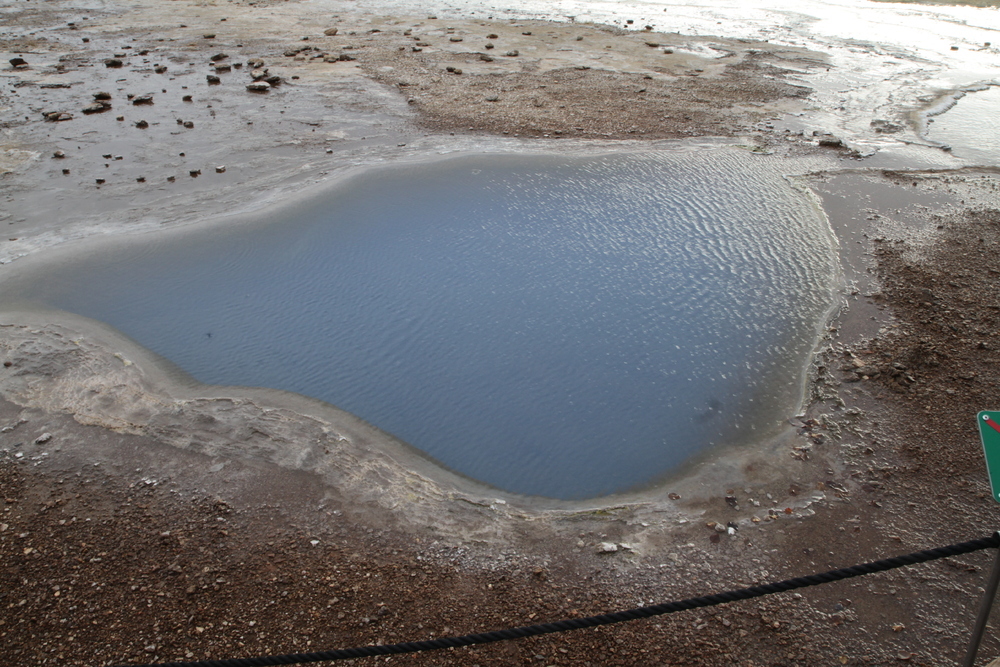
(126, 538)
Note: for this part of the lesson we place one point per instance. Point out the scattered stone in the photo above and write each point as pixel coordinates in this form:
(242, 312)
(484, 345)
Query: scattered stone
(188, 124)
(195, 173)
(674, 496)
(513, 53)
(485, 58)
(120, 118)
(607, 548)
(140, 179)
(330, 32)
(100, 181)
(142, 99)
(59, 155)
(954, 48)
(346, 57)
(493, 98)
(18, 63)
(186, 98)
(454, 38)
(142, 125)
(43, 438)
(86, 40)
(56, 116)
(213, 80)
(259, 87)
(255, 63)
(492, 36)
(653, 45)
(261, 74)
(218, 56)
(273, 80)
(221, 169)
(113, 62)
(159, 69)
(102, 96)
(224, 68)
(489, 45)
(209, 35)
(886, 127)
(668, 51)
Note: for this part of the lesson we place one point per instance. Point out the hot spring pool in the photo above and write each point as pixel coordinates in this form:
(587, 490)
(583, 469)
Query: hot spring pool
(557, 326)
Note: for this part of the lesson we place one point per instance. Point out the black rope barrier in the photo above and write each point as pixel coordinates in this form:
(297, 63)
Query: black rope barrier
(991, 542)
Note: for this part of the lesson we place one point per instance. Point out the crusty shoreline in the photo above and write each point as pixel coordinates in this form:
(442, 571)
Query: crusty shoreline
(170, 549)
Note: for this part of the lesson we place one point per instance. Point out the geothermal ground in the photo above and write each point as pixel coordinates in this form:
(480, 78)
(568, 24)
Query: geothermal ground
(147, 520)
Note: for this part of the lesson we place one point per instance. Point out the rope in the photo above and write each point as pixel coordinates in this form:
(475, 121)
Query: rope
(604, 619)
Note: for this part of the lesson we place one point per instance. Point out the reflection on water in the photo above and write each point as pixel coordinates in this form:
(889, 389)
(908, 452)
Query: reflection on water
(552, 326)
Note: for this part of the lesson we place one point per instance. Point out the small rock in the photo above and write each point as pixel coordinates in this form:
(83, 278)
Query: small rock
(142, 99)
(513, 53)
(119, 118)
(140, 179)
(224, 68)
(668, 51)
(259, 87)
(330, 32)
(273, 80)
(485, 58)
(213, 80)
(221, 169)
(255, 63)
(96, 107)
(142, 125)
(186, 98)
(195, 173)
(209, 35)
(607, 548)
(346, 57)
(954, 48)
(102, 96)
(492, 36)
(160, 69)
(493, 98)
(100, 181)
(218, 56)
(59, 155)
(43, 438)
(113, 62)
(454, 39)
(18, 62)
(188, 124)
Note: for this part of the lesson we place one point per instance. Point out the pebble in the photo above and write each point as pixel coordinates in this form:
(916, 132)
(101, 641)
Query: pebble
(43, 438)
(188, 124)
(102, 95)
(259, 87)
(160, 69)
(59, 155)
(113, 62)
(513, 53)
(330, 32)
(96, 107)
(607, 548)
(221, 169)
(142, 125)
(195, 173)
(18, 62)
(142, 99)
(213, 80)
(218, 56)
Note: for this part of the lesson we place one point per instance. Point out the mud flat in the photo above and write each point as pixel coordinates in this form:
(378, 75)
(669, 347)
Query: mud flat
(146, 519)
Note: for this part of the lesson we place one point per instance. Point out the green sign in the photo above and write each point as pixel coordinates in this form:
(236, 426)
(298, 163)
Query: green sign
(989, 430)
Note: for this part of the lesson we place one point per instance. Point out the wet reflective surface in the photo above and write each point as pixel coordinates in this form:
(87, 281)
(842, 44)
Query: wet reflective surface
(566, 327)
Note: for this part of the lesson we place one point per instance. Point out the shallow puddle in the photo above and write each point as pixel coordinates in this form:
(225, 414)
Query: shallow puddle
(564, 327)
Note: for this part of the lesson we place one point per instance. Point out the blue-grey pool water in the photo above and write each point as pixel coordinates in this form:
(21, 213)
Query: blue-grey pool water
(566, 327)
